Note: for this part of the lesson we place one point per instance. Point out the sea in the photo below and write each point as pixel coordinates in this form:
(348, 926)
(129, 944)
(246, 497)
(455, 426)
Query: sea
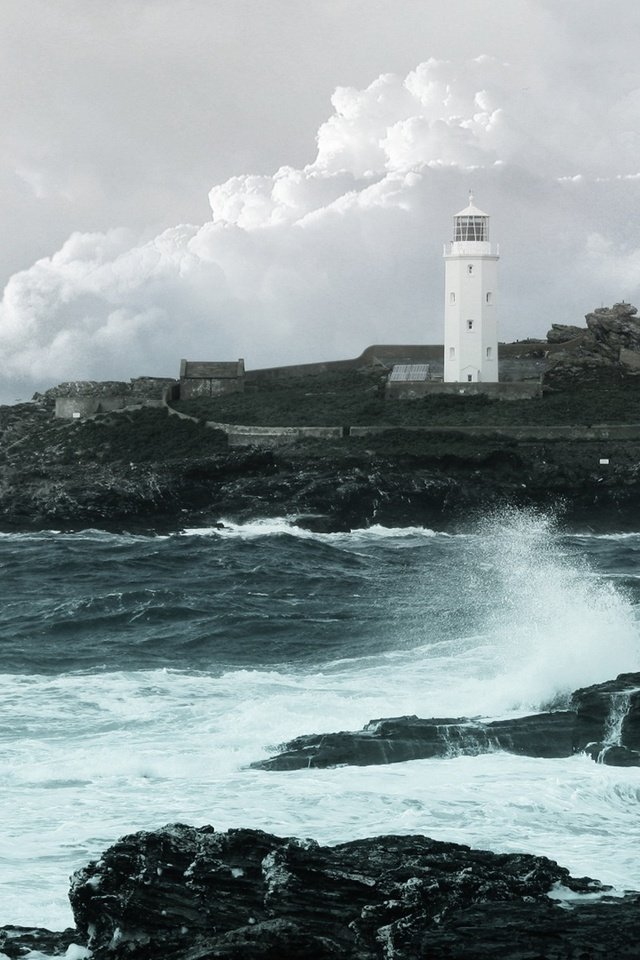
(141, 674)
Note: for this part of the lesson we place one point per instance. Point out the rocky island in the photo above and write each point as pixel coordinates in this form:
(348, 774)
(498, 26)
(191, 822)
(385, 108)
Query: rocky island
(426, 461)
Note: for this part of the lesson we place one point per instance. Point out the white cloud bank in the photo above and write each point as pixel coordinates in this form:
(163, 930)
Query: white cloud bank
(318, 262)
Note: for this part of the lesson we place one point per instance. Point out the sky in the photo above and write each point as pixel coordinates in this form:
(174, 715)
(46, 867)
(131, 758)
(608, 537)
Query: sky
(275, 179)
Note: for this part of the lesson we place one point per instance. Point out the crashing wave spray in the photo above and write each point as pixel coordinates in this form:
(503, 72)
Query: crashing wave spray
(555, 623)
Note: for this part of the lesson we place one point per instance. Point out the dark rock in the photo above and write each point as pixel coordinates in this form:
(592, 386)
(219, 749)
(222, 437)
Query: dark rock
(565, 332)
(606, 715)
(21, 941)
(610, 711)
(183, 893)
(524, 931)
(613, 755)
(399, 739)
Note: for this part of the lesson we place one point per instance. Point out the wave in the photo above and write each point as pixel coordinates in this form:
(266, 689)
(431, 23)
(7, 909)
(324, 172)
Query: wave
(279, 526)
(556, 623)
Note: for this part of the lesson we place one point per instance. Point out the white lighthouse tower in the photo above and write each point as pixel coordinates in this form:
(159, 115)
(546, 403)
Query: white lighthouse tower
(470, 324)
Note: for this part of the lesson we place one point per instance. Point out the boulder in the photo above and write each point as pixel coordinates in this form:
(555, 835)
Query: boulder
(186, 893)
(613, 328)
(565, 332)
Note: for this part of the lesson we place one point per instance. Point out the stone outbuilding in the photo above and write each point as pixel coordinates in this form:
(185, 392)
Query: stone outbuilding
(199, 378)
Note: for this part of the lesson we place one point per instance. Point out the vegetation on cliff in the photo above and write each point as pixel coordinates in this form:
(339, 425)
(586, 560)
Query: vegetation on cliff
(357, 399)
(147, 467)
(30, 435)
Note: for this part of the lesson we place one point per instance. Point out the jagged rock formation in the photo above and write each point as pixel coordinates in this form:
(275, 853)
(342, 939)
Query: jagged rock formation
(564, 333)
(615, 328)
(182, 893)
(606, 350)
(603, 720)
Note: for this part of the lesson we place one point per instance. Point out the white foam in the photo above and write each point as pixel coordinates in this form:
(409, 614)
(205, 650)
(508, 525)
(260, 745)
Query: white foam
(279, 526)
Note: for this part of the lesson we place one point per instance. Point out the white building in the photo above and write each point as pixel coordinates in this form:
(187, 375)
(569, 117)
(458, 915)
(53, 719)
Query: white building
(470, 323)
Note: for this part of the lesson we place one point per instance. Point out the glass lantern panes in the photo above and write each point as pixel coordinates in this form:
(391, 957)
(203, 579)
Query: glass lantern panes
(471, 228)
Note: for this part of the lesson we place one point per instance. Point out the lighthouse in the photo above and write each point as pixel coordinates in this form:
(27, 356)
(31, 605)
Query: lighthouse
(470, 323)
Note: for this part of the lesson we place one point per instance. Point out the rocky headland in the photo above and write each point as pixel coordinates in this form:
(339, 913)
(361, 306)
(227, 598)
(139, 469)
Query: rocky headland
(435, 461)
(431, 480)
(609, 346)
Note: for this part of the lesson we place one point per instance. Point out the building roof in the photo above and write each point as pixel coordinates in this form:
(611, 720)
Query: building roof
(211, 370)
(471, 210)
(409, 371)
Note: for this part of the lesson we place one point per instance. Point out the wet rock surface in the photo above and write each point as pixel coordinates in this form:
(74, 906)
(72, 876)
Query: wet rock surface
(398, 739)
(611, 708)
(604, 721)
(188, 893)
(20, 942)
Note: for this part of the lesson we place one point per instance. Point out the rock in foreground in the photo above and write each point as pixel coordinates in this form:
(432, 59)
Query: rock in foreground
(186, 893)
(604, 722)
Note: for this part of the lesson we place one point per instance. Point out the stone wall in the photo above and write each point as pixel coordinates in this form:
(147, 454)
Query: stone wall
(244, 436)
(522, 360)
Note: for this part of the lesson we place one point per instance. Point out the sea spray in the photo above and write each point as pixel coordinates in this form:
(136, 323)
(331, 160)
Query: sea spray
(556, 624)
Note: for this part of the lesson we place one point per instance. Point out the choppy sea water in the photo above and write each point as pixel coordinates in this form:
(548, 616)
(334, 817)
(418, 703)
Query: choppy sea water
(140, 675)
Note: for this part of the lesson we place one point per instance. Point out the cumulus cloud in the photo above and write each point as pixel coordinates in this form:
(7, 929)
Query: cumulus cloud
(319, 261)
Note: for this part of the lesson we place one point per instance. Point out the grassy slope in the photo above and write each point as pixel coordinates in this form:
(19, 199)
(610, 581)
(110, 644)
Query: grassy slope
(354, 398)
(29, 435)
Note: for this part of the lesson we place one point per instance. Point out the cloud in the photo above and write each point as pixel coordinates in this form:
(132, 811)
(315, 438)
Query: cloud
(318, 261)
